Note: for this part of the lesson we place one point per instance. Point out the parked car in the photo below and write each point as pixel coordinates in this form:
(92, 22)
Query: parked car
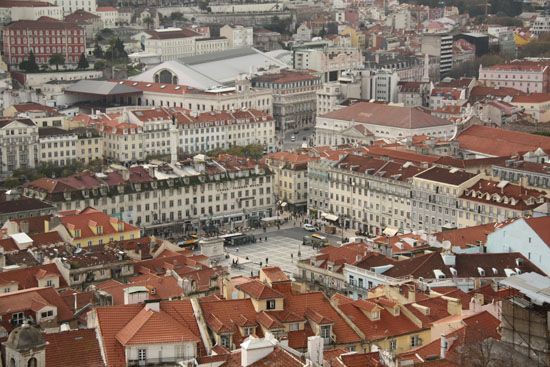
(310, 227)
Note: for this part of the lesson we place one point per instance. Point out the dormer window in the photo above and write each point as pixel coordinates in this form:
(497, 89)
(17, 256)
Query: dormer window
(99, 230)
(375, 315)
(325, 333)
(248, 331)
(77, 233)
(270, 304)
(481, 272)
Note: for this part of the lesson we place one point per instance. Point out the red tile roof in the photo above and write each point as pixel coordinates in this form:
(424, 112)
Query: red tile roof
(32, 300)
(497, 142)
(540, 225)
(73, 348)
(532, 98)
(257, 290)
(28, 277)
(88, 218)
(299, 303)
(469, 236)
(495, 192)
(388, 325)
(113, 319)
(385, 115)
(159, 287)
(445, 175)
(274, 274)
(150, 326)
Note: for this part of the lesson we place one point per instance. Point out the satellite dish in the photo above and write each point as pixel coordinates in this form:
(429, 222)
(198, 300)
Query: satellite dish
(446, 245)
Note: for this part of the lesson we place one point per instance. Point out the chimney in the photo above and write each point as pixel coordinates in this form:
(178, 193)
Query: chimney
(254, 349)
(443, 349)
(315, 349)
(153, 306)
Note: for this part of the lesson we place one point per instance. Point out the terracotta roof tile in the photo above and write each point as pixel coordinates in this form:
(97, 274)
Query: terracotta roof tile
(258, 290)
(497, 142)
(73, 348)
(384, 115)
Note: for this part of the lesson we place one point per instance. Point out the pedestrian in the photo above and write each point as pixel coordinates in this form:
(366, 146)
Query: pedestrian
(266, 238)
(237, 249)
(292, 255)
(266, 261)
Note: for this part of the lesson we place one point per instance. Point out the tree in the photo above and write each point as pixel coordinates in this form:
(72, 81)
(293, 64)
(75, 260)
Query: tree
(98, 51)
(56, 60)
(83, 62)
(29, 65)
(148, 21)
(116, 52)
(99, 65)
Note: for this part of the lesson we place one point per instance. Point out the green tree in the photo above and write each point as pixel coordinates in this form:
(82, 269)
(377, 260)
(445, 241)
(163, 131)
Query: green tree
(83, 62)
(148, 21)
(100, 65)
(29, 65)
(56, 60)
(98, 51)
(116, 52)
(177, 15)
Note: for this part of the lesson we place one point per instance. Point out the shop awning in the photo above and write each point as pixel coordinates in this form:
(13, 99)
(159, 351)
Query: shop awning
(283, 204)
(271, 219)
(329, 217)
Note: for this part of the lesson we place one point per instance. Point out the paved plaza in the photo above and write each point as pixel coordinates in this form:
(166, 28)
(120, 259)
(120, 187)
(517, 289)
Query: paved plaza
(278, 249)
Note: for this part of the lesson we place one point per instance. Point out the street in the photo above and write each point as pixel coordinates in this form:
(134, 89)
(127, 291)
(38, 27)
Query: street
(300, 135)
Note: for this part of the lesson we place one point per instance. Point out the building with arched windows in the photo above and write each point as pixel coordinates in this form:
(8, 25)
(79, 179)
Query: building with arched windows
(44, 37)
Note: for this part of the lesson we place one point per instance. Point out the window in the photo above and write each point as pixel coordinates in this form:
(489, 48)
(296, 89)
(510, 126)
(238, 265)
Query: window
(32, 362)
(325, 332)
(393, 344)
(248, 331)
(270, 304)
(225, 341)
(47, 314)
(294, 326)
(17, 318)
(142, 354)
(415, 341)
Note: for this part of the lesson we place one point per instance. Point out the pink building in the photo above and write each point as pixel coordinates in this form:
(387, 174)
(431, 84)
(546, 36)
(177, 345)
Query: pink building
(525, 75)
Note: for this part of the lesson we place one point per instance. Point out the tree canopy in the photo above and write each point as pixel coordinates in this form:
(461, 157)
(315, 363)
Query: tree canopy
(56, 60)
(29, 65)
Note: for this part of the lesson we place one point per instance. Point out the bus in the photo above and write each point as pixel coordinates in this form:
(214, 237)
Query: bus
(315, 240)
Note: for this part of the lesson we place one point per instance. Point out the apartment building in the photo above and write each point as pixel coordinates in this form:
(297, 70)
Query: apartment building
(528, 75)
(221, 130)
(198, 190)
(168, 92)
(57, 146)
(536, 104)
(12, 11)
(19, 144)
(435, 197)
(439, 45)
(329, 61)
(45, 37)
(363, 192)
(294, 97)
(290, 185)
(89, 146)
(175, 43)
(138, 135)
(238, 35)
(496, 201)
